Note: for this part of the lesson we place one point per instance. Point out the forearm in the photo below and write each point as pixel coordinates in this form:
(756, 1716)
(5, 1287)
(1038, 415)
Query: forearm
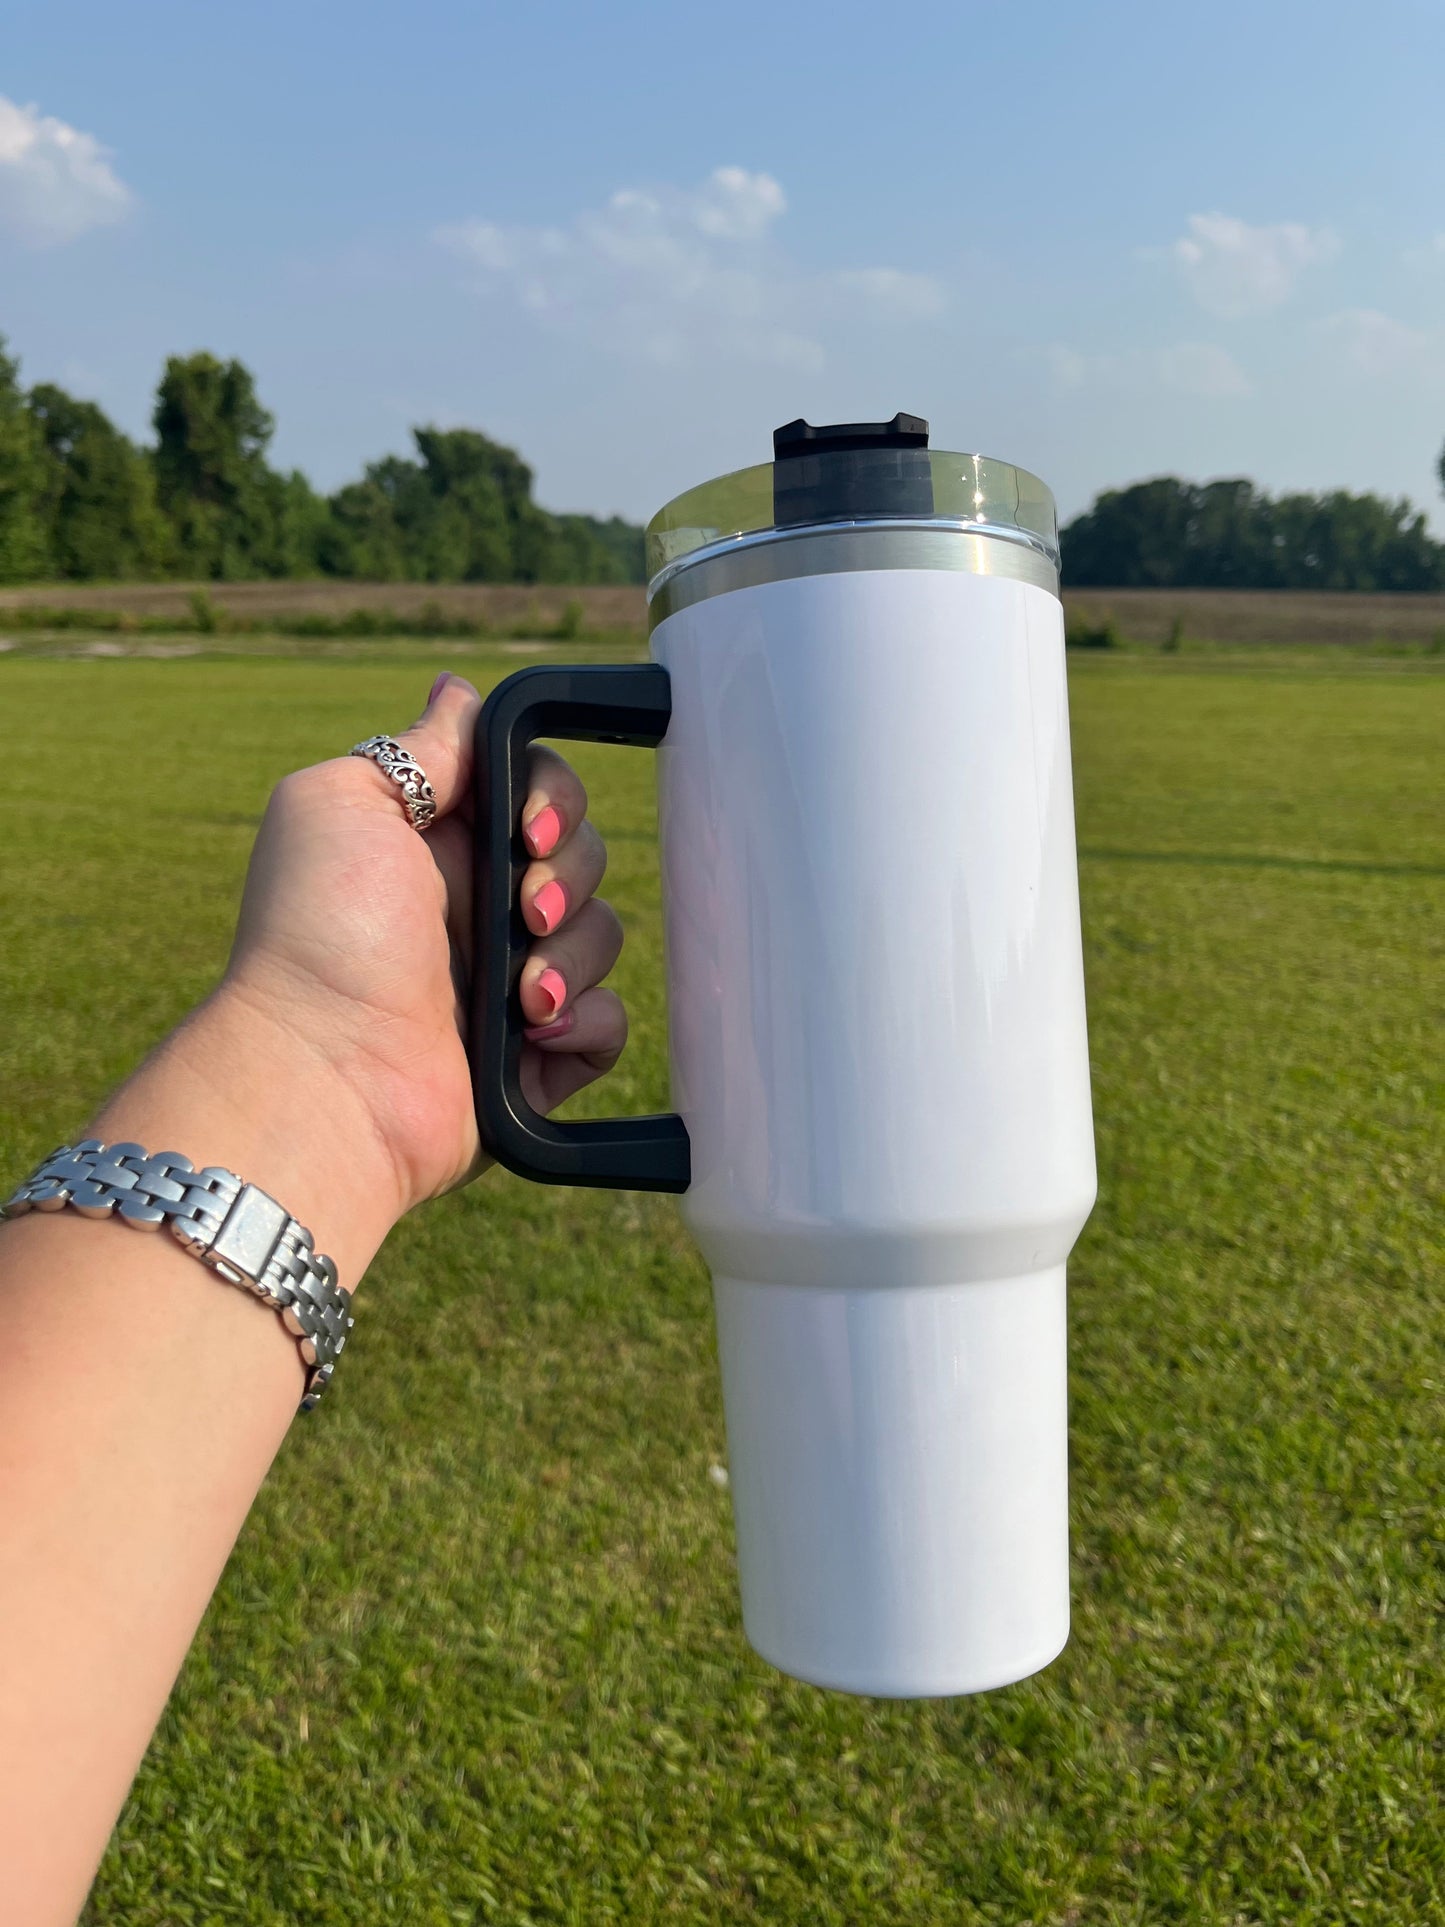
(142, 1400)
(141, 1397)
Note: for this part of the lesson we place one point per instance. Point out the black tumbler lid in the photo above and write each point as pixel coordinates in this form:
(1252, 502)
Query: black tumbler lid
(851, 471)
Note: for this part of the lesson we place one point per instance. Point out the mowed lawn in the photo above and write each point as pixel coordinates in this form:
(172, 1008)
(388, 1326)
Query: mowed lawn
(479, 1657)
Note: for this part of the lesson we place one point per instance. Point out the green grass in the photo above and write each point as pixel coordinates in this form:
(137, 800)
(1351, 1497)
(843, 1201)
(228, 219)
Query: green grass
(478, 1656)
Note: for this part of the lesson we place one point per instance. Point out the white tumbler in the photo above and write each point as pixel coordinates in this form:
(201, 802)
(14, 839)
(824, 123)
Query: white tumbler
(879, 1056)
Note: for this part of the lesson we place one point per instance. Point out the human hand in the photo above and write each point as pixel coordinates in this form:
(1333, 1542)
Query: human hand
(355, 935)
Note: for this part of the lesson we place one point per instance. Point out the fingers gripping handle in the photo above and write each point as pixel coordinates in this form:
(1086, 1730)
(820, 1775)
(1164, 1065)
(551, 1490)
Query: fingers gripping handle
(623, 704)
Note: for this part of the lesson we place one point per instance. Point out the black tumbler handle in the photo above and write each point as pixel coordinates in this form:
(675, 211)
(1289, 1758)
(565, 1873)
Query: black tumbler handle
(629, 703)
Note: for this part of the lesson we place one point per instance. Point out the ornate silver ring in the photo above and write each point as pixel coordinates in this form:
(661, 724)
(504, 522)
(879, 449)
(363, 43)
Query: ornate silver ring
(417, 794)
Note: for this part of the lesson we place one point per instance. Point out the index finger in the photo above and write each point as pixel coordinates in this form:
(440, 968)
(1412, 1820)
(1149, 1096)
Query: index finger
(556, 801)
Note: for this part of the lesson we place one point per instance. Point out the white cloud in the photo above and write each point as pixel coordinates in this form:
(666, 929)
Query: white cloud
(1431, 254)
(1199, 368)
(55, 182)
(1233, 269)
(677, 275)
(1068, 367)
(736, 205)
(1377, 345)
(487, 245)
(894, 291)
(1202, 368)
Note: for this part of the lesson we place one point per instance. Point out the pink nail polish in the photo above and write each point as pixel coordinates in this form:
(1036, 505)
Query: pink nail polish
(534, 1033)
(543, 831)
(437, 687)
(553, 986)
(550, 903)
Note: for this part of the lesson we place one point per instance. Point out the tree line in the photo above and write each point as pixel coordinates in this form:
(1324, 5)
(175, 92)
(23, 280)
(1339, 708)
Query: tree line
(1169, 534)
(80, 501)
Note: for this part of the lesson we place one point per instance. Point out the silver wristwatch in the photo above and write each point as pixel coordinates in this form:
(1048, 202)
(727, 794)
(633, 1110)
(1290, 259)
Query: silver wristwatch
(234, 1227)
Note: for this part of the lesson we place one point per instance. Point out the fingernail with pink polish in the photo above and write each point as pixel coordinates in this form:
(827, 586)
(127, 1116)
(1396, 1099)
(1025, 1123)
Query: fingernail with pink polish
(543, 831)
(436, 689)
(550, 903)
(553, 986)
(535, 1033)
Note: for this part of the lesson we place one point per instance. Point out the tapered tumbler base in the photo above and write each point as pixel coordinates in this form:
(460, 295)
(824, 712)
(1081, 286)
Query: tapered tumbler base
(899, 1472)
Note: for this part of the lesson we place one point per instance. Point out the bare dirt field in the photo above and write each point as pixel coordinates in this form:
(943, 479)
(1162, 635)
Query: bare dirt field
(493, 603)
(1267, 615)
(1140, 615)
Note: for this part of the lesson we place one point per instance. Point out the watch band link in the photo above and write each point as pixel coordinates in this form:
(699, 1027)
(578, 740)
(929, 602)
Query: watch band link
(237, 1229)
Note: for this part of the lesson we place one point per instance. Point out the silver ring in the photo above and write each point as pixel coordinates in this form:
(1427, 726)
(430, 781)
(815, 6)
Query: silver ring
(417, 794)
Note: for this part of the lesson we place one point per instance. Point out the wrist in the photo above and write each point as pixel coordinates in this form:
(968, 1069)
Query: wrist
(238, 1085)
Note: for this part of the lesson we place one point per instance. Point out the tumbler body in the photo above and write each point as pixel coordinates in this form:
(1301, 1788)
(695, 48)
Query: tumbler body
(879, 1050)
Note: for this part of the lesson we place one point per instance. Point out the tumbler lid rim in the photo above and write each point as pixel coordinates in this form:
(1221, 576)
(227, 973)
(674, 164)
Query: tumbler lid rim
(842, 548)
(971, 494)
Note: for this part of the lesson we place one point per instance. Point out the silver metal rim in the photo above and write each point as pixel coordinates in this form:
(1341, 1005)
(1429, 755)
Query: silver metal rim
(779, 555)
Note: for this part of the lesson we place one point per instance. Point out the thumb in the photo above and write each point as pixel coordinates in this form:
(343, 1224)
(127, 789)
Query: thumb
(441, 739)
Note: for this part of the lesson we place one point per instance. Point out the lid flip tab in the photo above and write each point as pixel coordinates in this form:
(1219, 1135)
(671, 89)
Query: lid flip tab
(851, 471)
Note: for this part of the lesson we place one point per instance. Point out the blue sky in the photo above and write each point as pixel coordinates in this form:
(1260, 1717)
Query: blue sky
(1104, 241)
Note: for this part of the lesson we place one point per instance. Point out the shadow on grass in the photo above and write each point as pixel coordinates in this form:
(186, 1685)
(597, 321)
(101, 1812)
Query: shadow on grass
(1326, 865)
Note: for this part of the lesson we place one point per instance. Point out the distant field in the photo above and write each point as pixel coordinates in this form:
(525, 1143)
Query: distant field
(1141, 615)
(496, 604)
(478, 1656)
(1285, 616)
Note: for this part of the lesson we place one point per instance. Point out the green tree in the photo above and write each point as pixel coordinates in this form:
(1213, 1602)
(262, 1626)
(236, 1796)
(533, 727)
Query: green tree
(484, 525)
(99, 507)
(302, 524)
(22, 480)
(1172, 534)
(1341, 541)
(1132, 537)
(211, 473)
(615, 551)
(394, 525)
(463, 512)
(1227, 536)
(363, 537)
(80, 501)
